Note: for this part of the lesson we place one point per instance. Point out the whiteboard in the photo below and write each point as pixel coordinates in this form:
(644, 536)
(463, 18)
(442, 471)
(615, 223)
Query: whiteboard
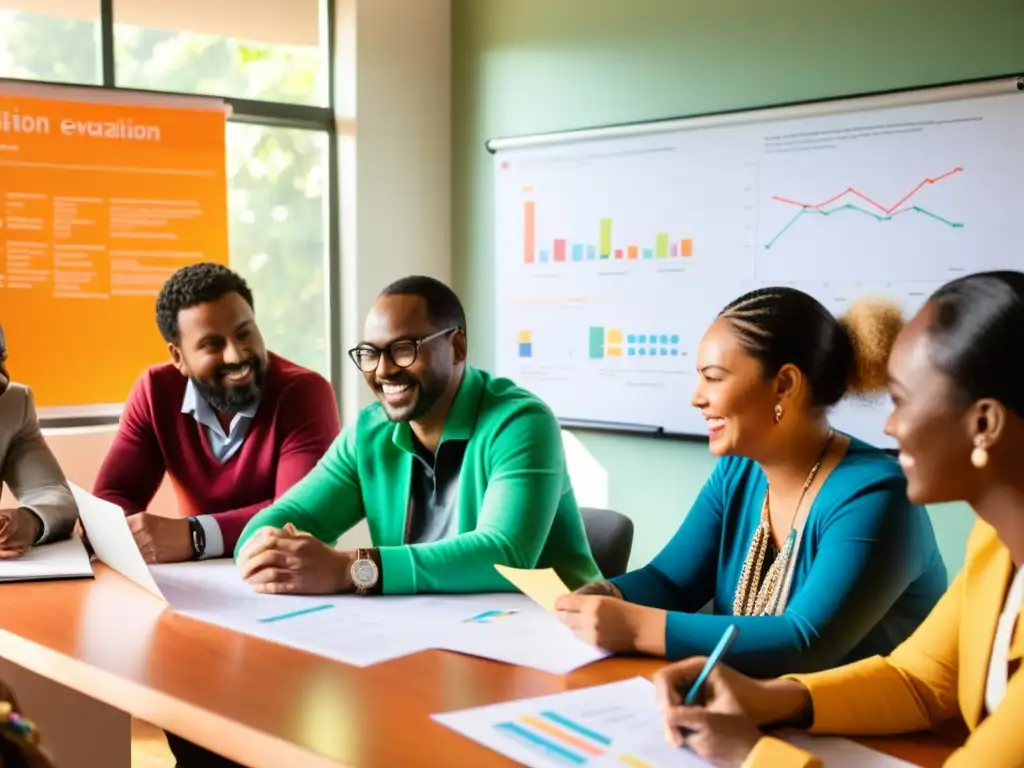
(616, 250)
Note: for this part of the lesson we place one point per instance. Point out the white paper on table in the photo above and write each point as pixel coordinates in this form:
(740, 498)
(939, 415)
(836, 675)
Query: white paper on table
(349, 631)
(362, 631)
(112, 540)
(366, 631)
(528, 637)
(618, 724)
(353, 630)
(216, 586)
(67, 559)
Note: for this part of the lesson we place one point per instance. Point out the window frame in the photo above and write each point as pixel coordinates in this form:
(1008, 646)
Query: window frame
(269, 114)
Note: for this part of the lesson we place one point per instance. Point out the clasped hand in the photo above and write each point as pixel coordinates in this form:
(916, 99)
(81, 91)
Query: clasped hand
(289, 561)
(19, 528)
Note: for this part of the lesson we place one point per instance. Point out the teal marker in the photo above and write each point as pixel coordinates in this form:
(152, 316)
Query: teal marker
(294, 614)
(716, 655)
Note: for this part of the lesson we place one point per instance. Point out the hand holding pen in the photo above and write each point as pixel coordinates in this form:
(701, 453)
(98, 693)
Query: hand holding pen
(716, 712)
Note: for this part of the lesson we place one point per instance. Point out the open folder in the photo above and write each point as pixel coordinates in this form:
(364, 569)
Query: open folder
(66, 559)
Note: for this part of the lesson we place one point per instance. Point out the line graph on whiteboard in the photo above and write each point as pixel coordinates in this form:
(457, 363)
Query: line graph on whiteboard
(810, 227)
(866, 206)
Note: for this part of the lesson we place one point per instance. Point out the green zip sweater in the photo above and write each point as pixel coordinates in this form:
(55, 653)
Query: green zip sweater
(515, 502)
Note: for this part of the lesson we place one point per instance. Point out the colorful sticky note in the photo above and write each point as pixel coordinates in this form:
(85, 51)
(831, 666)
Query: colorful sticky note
(542, 585)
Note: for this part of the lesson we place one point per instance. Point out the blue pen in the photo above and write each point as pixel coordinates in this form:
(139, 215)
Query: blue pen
(716, 655)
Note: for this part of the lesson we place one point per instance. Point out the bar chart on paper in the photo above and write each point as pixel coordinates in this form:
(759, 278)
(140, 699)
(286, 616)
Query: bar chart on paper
(614, 252)
(556, 736)
(608, 725)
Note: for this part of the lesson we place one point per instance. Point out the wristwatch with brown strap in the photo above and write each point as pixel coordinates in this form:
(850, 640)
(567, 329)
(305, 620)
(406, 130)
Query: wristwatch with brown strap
(366, 572)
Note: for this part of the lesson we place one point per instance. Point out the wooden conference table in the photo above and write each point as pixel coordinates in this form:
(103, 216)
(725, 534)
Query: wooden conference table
(268, 706)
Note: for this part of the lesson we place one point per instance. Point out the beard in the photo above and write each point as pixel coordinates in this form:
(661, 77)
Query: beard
(423, 398)
(229, 399)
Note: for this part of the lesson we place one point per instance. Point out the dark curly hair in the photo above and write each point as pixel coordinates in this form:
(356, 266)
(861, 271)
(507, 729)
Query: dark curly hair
(193, 285)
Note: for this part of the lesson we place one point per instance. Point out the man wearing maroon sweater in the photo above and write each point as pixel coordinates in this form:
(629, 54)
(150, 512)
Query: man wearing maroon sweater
(233, 425)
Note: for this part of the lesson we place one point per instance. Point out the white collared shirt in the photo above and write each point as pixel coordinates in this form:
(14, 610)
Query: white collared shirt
(223, 444)
(998, 668)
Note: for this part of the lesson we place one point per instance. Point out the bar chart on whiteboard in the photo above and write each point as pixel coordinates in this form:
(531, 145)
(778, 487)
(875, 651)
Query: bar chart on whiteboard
(614, 255)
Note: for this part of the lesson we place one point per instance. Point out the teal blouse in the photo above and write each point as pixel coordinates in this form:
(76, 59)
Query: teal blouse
(867, 573)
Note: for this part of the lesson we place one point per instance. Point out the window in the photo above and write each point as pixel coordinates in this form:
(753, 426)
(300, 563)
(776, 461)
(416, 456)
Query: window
(270, 61)
(39, 45)
(265, 50)
(278, 217)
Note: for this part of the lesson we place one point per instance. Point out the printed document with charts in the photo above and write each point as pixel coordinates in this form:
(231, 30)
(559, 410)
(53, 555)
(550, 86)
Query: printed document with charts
(363, 631)
(617, 724)
(355, 630)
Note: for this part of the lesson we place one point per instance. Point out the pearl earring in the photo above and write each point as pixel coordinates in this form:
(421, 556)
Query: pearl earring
(778, 412)
(979, 456)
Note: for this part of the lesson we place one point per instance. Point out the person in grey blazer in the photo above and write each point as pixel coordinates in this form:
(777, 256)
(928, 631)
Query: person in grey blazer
(45, 510)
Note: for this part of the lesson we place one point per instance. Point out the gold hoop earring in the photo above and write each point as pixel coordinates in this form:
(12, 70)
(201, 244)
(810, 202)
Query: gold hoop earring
(778, 412)
(979, 456)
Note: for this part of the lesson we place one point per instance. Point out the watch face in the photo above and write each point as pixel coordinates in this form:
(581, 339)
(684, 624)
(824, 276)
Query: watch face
(364, 573)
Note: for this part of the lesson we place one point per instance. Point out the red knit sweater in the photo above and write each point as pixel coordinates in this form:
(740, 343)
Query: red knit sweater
(295, 424)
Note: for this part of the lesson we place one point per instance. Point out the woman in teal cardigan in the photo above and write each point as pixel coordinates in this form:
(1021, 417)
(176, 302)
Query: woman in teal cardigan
(802, 536)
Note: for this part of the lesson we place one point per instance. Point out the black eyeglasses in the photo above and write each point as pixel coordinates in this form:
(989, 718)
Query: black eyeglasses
(402, 353)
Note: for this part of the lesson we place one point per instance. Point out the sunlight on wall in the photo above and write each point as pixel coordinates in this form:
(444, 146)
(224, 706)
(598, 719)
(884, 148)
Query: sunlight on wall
(589, 477)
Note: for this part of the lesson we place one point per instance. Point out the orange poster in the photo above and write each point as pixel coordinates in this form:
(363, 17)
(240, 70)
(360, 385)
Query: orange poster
(99, 204)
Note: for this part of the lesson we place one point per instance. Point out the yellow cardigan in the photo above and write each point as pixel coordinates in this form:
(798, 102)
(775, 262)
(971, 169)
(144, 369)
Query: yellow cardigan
(937, 673)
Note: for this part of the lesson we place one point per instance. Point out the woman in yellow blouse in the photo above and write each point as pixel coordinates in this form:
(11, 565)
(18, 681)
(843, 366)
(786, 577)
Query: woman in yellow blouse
(957, 387)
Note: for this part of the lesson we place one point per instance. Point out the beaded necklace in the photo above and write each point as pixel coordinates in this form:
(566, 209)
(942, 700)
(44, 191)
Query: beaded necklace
(757, 597)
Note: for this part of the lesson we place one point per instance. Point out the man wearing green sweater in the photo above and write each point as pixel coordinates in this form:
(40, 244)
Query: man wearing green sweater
(454, 470)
